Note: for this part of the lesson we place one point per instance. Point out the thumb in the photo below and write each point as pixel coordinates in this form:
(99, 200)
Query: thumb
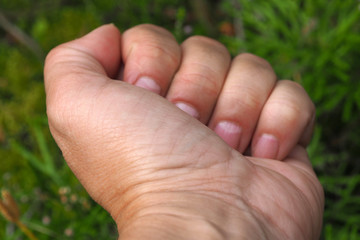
(81, 65)
(73, 73)
(98, 52)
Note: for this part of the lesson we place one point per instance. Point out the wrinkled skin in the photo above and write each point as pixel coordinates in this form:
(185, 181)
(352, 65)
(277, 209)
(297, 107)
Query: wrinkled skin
(164, 174)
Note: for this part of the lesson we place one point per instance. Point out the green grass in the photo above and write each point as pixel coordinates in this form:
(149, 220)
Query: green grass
(315, 43)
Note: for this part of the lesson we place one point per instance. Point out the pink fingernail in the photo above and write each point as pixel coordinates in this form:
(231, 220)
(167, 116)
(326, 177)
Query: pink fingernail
(188, 109)
(230, 132)
(149, 84)
(266, 147)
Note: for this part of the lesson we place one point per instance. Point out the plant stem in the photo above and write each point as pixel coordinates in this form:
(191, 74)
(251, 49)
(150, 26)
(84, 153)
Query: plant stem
(203, 14)
(26, 230)
(21, 36)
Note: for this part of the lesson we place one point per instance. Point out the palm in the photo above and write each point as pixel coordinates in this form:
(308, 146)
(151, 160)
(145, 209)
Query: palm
(292, 195)
(151, 145)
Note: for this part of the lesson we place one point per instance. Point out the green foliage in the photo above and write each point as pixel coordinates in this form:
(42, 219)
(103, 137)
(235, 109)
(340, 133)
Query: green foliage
(315, 43)
(45, 162)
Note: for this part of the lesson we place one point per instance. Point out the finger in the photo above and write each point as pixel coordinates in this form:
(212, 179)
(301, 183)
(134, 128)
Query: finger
(286, 120)
(98, 51)
(248, 85)
(151, 56)
(298, 157)
(199, 80)
(79, 63)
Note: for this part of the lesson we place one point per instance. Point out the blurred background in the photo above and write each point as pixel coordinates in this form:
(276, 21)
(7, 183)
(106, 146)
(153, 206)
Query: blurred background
(316, 43)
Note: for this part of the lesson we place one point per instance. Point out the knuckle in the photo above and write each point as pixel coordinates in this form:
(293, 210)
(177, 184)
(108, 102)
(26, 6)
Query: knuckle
(201, 40)
(290, 112)
(150, 29)
(148, 41)
(205, 43)
(302, 98)
(254, 67)
(295, 85)
(254, 60)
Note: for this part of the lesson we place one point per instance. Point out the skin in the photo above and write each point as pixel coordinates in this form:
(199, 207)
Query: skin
(167, 173)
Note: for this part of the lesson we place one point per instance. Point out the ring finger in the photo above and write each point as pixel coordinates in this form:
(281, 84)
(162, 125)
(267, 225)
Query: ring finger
(247, 87)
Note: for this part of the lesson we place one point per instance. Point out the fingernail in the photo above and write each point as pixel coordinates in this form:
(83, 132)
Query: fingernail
(266, 147)
(149, 84)
(230, 132)
(188, 109)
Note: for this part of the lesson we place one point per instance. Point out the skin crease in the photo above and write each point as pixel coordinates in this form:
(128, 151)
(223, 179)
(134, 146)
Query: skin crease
(161, 173)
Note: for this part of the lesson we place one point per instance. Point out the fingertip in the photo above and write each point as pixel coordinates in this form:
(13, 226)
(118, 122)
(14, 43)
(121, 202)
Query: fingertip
(151, 57)
(287, 116)
(102, 44)
(230, 132)
(267, 146)
(149, 84)
(97, 52)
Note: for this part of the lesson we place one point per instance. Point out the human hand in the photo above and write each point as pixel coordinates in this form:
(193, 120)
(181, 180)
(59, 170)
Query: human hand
(163, 174)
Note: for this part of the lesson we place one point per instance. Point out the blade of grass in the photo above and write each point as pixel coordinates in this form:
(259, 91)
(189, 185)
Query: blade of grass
(36, 162)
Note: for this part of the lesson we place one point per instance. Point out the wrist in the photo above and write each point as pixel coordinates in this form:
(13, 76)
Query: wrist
(186, 216)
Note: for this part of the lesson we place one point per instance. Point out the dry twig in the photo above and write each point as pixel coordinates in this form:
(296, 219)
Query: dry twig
(10, 211)
(21, 36)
